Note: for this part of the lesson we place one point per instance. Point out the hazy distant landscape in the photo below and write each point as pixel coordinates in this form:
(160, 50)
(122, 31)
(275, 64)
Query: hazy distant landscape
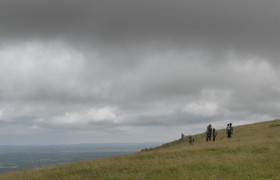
(251, 153)
(14, 158)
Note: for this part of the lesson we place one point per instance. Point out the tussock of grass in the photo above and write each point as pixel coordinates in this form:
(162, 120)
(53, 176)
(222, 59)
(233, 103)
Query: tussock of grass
(274, 125)
(252, 153)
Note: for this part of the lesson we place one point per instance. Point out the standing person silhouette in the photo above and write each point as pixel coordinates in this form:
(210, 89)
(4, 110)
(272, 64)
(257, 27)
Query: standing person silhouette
(231, 129)
(214, 134)
(208, 133)
(182, 137)
(228, 131)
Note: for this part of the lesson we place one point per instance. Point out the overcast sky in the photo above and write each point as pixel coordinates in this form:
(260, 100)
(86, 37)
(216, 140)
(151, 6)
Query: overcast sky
(81, 71)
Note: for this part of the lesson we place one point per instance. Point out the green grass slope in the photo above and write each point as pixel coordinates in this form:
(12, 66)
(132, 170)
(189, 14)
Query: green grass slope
(252, 153)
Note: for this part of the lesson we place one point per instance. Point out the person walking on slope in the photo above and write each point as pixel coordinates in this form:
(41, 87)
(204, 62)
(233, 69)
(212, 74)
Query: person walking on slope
(208, 133)
(214, 134)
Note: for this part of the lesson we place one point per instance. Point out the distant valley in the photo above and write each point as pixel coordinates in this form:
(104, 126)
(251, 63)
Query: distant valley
(14, 158)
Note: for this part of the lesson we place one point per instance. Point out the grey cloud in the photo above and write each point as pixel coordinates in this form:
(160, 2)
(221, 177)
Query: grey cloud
(157, 64)
(123, 21)
(173, 120)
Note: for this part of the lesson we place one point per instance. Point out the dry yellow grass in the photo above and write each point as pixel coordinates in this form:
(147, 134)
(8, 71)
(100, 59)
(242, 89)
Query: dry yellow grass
(252, 153)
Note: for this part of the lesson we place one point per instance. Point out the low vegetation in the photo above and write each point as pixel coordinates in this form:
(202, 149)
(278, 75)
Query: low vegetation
(252, 153)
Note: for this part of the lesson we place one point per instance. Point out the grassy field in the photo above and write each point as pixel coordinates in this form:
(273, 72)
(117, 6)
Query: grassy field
(252, 153)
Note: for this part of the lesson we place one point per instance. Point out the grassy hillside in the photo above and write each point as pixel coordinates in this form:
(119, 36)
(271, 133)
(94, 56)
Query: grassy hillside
(252, 153)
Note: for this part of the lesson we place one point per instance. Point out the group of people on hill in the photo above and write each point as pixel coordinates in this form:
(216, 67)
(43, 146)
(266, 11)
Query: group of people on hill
(211, 132)
(191, 139)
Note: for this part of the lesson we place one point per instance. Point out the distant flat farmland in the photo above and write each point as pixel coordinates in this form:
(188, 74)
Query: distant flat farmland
(14, 158)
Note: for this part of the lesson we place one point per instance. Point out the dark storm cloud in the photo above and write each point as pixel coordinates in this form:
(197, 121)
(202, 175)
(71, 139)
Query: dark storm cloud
(134, 27)
(116, 66)
(251, 24)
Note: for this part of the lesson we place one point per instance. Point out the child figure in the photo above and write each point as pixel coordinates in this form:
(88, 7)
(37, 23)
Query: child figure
(214, 134)
(191, 140)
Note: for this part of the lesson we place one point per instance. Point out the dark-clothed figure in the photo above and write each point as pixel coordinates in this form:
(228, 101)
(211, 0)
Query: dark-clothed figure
(191, 140)
(229, 130)
(214, 134)
(208, 133)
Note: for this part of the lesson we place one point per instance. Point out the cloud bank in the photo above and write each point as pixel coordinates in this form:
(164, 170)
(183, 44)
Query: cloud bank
(131, 71)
